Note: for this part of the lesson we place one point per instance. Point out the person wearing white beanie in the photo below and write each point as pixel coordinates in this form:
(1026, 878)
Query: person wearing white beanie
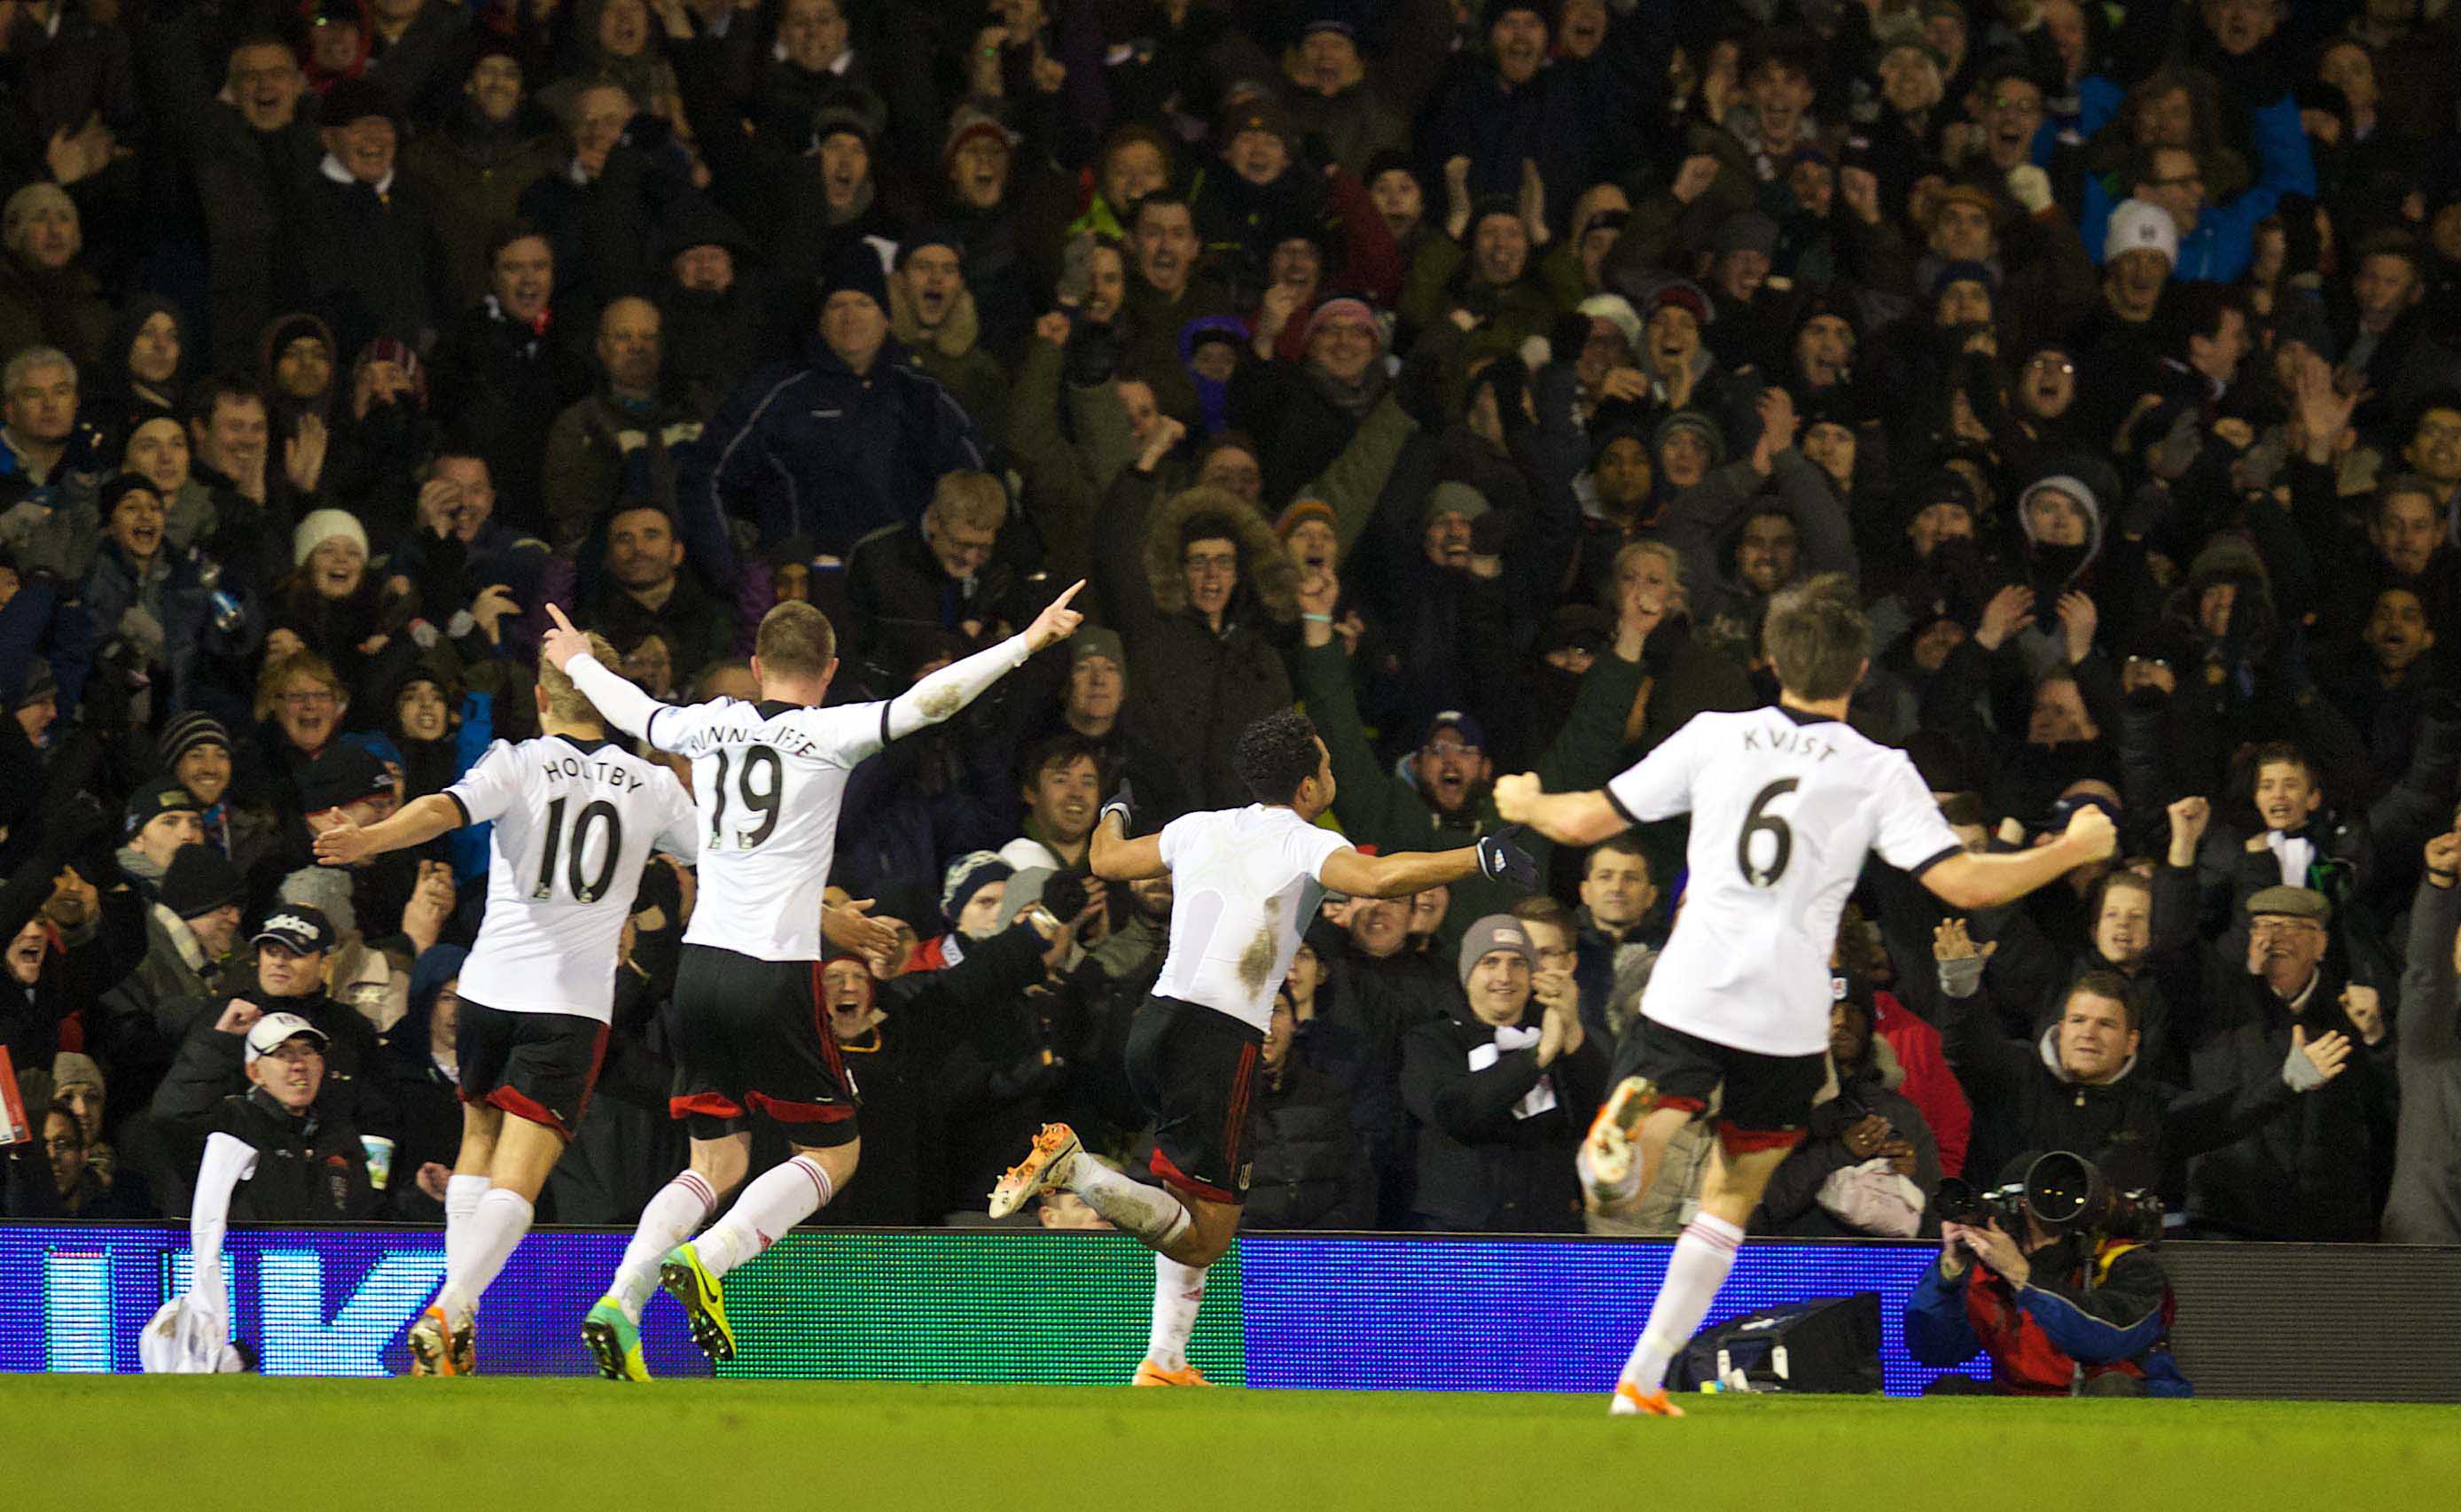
(326, 525)
(2139, 249)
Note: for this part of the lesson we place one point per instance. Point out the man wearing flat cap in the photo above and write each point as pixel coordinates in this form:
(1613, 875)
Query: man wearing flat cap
(365, 244)
(2307, 1175)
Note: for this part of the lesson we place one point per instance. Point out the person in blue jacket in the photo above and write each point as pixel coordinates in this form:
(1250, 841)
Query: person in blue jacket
(2216, 242)
(830, 448)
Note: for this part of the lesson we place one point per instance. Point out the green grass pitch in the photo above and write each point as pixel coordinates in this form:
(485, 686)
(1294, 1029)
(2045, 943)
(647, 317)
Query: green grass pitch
(186, 1444)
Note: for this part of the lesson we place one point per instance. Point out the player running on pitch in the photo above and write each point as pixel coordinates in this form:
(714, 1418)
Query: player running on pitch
(575, 818)
(748, 1033)
(1785, 804)
(1245, 882)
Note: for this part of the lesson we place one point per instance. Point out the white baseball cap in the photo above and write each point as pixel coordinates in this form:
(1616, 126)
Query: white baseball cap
(2141, 225)
(270, 1033)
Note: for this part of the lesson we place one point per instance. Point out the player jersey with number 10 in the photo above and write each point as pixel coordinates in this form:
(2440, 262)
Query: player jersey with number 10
(574, 824)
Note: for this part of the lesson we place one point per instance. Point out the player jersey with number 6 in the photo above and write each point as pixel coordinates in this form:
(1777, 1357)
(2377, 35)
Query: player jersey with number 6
(768, 779)
(1785, 807)
(574, 824)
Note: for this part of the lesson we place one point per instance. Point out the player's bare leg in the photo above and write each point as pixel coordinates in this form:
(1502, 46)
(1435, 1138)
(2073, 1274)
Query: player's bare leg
(1702, 1257)
(778, 1199)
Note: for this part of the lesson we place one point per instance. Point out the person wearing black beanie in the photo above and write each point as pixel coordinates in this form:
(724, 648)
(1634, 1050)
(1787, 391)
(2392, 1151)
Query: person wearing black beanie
(856, 271)
(191, 940)
(845, 439)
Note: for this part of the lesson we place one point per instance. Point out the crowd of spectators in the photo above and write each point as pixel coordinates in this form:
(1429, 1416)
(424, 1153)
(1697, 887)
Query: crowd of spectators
(1469, 373)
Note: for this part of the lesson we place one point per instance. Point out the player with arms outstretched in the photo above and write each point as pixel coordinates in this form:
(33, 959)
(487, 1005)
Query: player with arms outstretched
(1245, 882)
(575, 818)
(1785, 802)
(748, 1033)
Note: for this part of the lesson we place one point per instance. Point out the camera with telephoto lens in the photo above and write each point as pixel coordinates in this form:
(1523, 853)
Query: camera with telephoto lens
(2064, 1192)
(1959, 1201)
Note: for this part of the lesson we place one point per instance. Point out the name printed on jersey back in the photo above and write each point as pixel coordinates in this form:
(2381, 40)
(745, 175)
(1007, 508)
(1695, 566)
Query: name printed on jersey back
(587, 769)
(1792, 740)
(785, 736)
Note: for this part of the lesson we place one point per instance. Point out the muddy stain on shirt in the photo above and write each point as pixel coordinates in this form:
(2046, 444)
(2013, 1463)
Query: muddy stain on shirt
(1256, 962)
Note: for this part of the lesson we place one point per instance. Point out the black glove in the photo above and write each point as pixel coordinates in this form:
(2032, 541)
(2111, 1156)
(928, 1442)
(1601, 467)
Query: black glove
(1123, 798)
(1509, 379)
(1092, 355)
(77, 832)
(1500, 860)
(1664, 644)
(1566, 338)
(1032, 1076)
(1420, 391)
(1491, 533)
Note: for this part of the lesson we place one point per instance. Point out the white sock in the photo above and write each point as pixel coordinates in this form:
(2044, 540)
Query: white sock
(1148, 1213)
(461, 1194)
(1702, 1257)
(1179, 1292)
(681, 1205)
(782, 1196)
(494, 1230)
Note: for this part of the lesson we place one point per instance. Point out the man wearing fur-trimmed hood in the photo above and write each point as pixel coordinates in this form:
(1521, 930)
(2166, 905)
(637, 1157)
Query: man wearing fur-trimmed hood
(1193, 606)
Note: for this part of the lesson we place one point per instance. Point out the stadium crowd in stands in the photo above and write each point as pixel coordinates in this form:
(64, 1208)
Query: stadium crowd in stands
(1468, 373)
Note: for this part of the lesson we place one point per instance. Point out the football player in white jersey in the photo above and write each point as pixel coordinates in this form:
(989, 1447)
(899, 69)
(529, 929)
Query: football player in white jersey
(749, 1037)
(575, 818)
(1244, 885)
(1785, 802)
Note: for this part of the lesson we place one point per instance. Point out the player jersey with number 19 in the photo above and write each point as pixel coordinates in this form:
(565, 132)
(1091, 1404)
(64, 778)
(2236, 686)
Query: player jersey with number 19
(574, 824)
(768, 779)
(1785, 807)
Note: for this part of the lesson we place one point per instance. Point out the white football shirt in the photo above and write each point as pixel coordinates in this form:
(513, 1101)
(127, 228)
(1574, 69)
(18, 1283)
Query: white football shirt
(768, 779)
(574, 824)
(1244, 884)
(1784, 809)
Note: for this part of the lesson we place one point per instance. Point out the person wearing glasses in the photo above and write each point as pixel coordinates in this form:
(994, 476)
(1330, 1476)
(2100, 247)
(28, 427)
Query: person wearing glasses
(2217, 241)
(2083, 1081)
(305, 701)
(1197, 593)
(2307, 1176)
